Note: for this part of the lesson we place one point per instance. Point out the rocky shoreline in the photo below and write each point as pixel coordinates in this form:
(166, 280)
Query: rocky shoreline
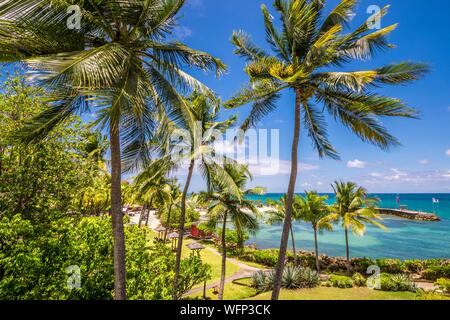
(411, 215)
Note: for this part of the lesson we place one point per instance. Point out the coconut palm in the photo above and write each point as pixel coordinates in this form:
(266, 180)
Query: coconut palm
(152, 185)
(117, 62)
(354, 209)
(309, 44)
(224, 207)
(314, 209)
(191, 141)
(277, 214)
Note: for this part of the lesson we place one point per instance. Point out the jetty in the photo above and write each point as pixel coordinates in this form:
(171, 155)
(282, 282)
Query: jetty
(411, 215)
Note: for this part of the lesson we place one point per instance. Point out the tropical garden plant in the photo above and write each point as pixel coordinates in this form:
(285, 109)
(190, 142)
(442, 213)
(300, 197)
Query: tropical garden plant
(224, 207)
(314, 209)
(117, 62)
(353, 208)
(307, 55)
(277, 215)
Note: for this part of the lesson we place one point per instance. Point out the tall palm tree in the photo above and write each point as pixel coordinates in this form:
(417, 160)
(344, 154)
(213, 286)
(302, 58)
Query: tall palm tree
(354, 209)
(277, 215)
(117, 61)
(314, 210)
(192, 140)
(242, 213)
(306, 48)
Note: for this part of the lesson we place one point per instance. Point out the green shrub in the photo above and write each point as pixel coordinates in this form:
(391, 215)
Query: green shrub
(342, 282)
(392, 266)
(359, 280)
(396, 282)
(268, 258)
(435, 272)
(430, 295)
(443, 284)
(34, 258)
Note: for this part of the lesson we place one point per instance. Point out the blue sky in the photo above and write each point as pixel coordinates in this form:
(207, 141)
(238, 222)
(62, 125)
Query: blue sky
(421, 164)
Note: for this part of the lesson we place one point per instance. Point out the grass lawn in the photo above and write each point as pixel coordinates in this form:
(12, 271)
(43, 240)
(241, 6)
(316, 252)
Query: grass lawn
(325, 293)
(214, 260)
(233, 291)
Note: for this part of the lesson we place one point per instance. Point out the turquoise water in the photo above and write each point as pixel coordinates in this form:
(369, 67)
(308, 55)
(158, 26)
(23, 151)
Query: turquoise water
(405, 239)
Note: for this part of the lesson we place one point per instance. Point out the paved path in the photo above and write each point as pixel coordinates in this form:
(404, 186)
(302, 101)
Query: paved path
(245, 271)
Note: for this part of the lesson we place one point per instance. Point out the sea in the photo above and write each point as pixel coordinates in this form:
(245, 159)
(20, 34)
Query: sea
(404, 239)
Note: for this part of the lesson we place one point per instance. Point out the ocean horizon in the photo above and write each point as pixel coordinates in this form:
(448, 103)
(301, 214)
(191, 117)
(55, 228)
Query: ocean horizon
(405, 239)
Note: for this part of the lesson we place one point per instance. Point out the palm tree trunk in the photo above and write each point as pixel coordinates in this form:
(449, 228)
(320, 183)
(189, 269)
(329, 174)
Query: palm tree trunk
(316, 246)
(168, 222)
(224, 259)
(148, 213)
(289, 200)
(293, 245)
(117, 217)
(181, 229)
(347, 250)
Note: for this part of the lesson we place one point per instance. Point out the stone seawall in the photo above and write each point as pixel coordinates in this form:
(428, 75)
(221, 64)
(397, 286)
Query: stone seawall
(411, 215)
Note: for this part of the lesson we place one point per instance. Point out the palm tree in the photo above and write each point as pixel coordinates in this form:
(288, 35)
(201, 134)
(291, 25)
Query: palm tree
(242, 213)
(354, 208)
(192, 139)
(308, 45)
(152, 185)
(277, 214)
(314, 210)
(118, 62)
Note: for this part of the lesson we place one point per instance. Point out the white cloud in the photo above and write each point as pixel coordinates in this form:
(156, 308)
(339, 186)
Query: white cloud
(306, 185)
(273, 167)
(447, 175)
(356, 164)
(424, 162)
(397, 175)
(447, 153)
(182, 32)
(376, 174)
(319, 183)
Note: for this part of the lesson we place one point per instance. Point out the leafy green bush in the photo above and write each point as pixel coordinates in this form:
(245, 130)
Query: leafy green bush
(268, 258)
(437, 271)
(392, 266)
(430, 295)
(234, 241)
(342, 282)
(34, 258)
(443, 284)
(396, 282)
(359, 280)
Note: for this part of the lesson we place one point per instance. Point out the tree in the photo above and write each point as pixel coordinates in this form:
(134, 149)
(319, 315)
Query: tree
(116, 61)
(308, 45)
(314, 209)
(354, 208)
(277, 215)
(192, 140)
(39, 179)
(241, 212)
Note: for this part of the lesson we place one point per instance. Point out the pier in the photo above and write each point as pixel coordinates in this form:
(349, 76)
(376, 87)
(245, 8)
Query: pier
(408, 214)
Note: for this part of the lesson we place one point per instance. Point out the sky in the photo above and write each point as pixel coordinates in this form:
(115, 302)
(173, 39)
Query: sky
(420, 165)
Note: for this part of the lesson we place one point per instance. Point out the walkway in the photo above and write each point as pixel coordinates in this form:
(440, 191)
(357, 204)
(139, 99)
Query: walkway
(245, 271)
